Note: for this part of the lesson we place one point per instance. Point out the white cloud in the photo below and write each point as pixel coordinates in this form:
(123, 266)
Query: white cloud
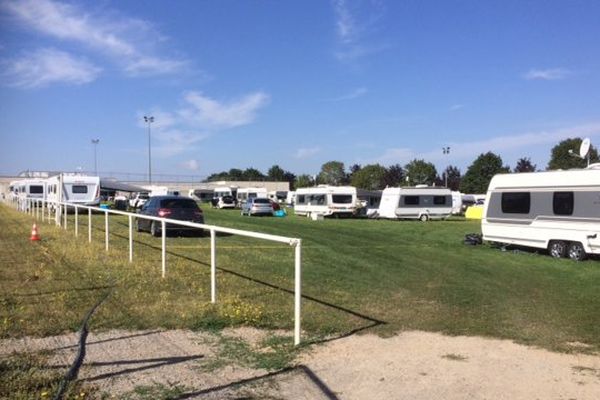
(47, 66)
(198, 118)
(307, 152)
(456, 107)
(551, 74)
(191, 165)
(128, 42)
(349, 96)
(209, 113)
(352, 32)
(468, 150)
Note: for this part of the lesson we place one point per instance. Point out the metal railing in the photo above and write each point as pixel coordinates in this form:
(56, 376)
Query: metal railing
(42, 210)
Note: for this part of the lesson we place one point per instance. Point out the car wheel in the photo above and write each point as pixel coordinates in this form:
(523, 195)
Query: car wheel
(424, 218)
(138, 228)
(154, 229)
(557, 248)
(577, 252)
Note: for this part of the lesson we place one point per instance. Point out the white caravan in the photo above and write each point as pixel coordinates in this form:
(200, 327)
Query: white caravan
(74, 189)
(554, 210)
(421, 203)
(457, 202)
(29, 188)
(324, 200)
(246, 193)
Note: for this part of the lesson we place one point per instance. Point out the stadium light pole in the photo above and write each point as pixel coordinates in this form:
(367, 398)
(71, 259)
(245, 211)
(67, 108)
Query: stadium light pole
(149, 120)
(95, 143)
(446, 150)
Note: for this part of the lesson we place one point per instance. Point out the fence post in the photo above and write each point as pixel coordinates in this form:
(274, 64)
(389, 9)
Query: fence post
(164, 247)
(76, 221)
(106, 229)
(130, 238)
(297, 290)
(213, 266)
(66, 213)
(89, 225)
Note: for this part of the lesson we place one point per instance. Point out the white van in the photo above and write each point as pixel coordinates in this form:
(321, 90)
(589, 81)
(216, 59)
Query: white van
(324, 201)
(554, 210)
(423, 203)
(74, 189)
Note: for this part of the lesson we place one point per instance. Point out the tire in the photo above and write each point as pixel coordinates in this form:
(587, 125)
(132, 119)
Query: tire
(155, 230)
(138, 228)
(576, 252)
(424, 218)
(557, 248)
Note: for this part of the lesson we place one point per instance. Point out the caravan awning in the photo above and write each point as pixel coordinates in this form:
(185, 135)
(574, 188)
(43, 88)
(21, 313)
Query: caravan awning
(113, 184)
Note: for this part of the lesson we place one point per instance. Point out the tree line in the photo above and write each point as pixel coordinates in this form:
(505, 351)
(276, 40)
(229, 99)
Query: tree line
(417, 172)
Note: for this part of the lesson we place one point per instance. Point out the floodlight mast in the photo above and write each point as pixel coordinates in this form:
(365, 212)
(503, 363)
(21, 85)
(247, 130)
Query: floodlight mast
(446, 150)
(95, 143)
(149, 120)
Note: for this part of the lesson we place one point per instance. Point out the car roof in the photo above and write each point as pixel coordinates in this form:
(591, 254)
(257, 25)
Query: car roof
(170, 197)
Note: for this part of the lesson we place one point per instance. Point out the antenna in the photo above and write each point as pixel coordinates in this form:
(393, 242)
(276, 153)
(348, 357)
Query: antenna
(585, 147)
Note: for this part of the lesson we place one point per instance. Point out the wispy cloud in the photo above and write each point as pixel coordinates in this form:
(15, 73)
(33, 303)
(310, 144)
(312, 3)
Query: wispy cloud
(456, 107)
(551, 74)
(359, 92)
(191, 165)
(47, 66)
(209, 113)
(128, 42)
(353, 25)
(498, 144)
(307, 152)
(198, 118)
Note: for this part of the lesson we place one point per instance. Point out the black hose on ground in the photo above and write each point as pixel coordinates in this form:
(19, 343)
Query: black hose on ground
(72, 373)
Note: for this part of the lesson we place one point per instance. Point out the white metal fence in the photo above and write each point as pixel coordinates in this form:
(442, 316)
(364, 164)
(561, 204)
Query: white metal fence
(57, 211)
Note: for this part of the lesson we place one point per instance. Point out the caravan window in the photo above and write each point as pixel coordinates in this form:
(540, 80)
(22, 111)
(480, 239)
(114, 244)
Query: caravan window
(439, 200)
(562, 203)
(300, 199)
(36, 189)
(317, 199)
(342, 198)
(411, 200)
(516, 202)
(79, 189)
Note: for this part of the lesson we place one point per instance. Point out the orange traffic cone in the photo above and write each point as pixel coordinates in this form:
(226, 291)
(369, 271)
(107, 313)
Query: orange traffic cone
(34, 233)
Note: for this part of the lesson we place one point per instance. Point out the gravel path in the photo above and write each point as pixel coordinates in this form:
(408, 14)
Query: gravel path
(412, 365)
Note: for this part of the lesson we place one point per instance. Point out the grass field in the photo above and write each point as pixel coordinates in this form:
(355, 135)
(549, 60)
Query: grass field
(358, 275)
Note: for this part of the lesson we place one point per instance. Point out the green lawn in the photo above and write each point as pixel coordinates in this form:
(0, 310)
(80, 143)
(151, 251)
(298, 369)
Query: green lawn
(358, 275)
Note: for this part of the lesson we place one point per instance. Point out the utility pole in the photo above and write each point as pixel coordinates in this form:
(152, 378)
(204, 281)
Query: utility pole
(95, 143)
(149, 120)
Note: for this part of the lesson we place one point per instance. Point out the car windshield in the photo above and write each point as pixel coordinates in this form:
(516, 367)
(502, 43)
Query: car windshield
(262, 201)
(178, 203)
(143, 196)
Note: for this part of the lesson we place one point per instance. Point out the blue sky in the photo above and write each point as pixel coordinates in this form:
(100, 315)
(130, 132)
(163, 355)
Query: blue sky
(237, 84)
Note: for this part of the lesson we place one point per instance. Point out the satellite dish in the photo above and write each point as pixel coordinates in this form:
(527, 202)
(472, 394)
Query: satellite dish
(585, 147)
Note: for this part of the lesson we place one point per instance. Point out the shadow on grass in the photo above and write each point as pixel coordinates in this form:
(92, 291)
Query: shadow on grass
(325, 390)
(82, 289)
(110, 340)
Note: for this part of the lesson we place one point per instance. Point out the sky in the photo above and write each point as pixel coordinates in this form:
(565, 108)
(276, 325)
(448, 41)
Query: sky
(239, 84)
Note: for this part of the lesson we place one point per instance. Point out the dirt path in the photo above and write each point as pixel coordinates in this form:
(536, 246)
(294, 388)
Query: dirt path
(412, 365)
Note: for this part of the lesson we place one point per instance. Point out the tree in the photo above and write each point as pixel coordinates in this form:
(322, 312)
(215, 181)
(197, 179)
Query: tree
(235, 174)
(480, 173)
(561, 159)
(454, 177)
(524, 165)
(332, 173)
(304, 181)
(290, 178)
(252, 174)
(420, 172)
(276, 173)
(394, 176)
(370, 177)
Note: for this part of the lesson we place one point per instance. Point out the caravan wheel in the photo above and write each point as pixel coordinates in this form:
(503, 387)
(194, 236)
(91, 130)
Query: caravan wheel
(557, 248)
(423, 217)
(577, 252)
